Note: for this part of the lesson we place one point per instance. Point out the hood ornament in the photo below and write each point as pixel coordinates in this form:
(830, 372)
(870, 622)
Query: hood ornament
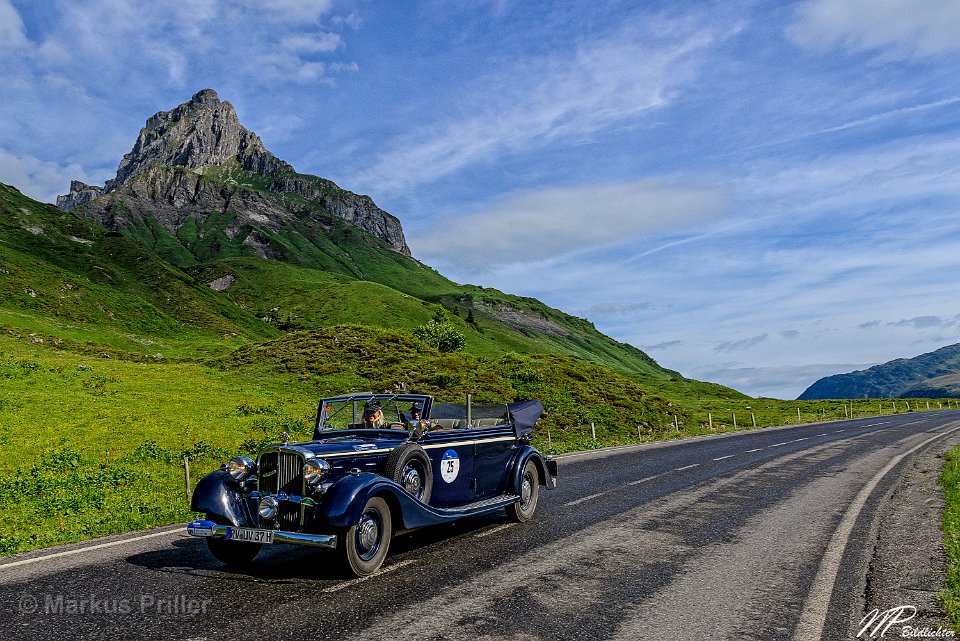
(286, 437)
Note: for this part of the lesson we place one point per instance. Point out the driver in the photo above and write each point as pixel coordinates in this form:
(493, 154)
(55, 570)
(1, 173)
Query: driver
(372, 414)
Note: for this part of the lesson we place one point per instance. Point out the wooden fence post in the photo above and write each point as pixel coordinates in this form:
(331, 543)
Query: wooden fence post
(186, 475)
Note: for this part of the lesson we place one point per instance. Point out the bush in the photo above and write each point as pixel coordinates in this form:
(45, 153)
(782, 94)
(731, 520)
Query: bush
(442, 336)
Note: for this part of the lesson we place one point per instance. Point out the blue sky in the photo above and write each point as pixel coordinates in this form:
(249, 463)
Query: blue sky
(756, 193)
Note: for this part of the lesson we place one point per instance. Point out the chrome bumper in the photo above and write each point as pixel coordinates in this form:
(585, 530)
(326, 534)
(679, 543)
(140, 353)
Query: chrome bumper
(206, 529)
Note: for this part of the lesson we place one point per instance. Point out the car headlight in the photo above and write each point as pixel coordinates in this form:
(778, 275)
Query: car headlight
(240, 467)
(315, 470)
(268, 507)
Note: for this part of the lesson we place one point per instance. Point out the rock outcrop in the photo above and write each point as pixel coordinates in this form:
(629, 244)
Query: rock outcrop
(198, 161)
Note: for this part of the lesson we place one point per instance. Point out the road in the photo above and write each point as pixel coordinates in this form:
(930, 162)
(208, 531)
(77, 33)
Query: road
(766, 534)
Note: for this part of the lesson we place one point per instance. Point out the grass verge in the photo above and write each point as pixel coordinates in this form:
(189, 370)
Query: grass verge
(950, 481)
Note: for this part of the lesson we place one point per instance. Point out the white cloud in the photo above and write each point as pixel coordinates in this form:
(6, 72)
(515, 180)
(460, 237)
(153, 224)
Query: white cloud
(297, 11)
(311, 43)
(901, 27)
(12, 34)
(741, 345)
(537, 225)
(39, 179)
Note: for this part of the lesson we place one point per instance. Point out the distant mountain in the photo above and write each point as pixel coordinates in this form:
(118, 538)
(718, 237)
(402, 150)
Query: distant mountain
(198, 185)
(932, 375)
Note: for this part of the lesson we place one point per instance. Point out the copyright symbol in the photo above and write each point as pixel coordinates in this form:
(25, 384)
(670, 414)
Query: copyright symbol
(28, 603)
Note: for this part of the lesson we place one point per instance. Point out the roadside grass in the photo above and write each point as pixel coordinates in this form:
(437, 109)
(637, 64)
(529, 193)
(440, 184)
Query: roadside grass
(95, 446)
(950, 482)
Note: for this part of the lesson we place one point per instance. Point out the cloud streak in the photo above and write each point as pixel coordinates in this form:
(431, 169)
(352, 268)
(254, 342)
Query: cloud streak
(552, 99)
(543, 224)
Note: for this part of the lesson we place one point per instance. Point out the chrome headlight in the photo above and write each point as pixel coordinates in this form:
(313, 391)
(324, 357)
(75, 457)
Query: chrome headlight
(240, 467)
(315, 470)
(268, 507)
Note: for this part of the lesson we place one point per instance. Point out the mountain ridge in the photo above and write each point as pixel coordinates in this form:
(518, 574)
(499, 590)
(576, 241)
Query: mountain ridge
(899, 378)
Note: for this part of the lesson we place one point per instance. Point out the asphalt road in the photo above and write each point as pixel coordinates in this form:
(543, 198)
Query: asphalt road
(758, 535)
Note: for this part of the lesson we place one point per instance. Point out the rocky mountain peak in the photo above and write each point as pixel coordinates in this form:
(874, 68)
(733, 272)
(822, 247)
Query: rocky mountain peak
(201, 132)
(197, 161)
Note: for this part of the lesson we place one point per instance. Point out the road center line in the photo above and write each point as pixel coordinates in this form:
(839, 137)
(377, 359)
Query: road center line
(720, 458)
(756, 449)
(686, 467)
(824, 434)
(352, 582)
(875, 424)
(584, 499)
(779, 444)
(813, 619)
(55, 555)
(645, 479)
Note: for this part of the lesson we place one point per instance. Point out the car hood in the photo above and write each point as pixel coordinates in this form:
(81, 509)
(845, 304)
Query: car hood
(339, 443)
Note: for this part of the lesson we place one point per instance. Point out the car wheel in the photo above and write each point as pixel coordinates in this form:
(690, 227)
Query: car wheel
(523, 509)
(232, 553)
(409, 466)
(365, 545)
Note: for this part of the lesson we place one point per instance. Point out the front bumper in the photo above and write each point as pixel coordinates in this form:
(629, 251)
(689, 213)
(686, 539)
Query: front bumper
(206, 529)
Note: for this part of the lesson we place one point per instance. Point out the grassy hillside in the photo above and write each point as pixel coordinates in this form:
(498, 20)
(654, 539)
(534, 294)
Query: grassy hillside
(72, 282)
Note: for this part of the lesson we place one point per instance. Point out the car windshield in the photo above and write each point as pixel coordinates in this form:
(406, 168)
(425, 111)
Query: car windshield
(348, 412)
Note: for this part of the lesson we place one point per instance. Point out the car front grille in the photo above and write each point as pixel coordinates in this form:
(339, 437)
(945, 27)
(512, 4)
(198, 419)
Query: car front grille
(282, 472)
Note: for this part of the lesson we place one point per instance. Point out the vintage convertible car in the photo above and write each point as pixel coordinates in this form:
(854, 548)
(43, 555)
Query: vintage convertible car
(377, 464)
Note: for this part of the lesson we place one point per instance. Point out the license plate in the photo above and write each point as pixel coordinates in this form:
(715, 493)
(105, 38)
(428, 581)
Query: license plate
(250, 534)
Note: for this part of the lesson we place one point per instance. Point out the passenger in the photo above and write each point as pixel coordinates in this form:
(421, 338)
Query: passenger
(414, 411)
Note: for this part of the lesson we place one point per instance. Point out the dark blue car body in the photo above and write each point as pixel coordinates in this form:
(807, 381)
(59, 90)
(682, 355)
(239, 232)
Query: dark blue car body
(409, 473)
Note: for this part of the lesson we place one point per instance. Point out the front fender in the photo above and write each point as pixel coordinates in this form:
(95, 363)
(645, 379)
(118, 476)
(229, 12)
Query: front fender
(218, 495)
(343, 504)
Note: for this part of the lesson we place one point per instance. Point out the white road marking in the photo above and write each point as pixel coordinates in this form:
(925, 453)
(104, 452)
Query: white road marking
(584, 499)
(644, 480)
(838, 431)
(494, 530)
(686, 467)
(756, 449)
(352, 582)
(779, 444)
(800, 439)
(720, 458)
(180, 530)
(813, 619)
(875, 424)
(824, 434)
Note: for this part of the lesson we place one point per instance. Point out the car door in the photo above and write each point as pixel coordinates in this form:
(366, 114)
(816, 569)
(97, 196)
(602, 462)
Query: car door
(452, 461)
(494, 450)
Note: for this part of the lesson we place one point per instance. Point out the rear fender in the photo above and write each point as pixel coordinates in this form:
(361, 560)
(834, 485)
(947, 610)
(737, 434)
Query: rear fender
(546, 469)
